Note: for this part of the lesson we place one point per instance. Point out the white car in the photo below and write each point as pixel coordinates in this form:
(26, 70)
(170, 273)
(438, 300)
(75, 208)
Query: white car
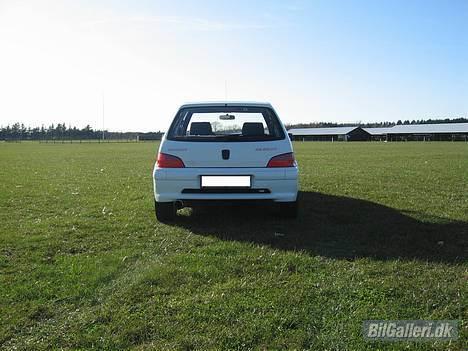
(225, 151)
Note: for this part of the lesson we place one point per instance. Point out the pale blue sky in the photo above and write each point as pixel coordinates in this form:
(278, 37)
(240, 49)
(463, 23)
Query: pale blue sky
(343, 61)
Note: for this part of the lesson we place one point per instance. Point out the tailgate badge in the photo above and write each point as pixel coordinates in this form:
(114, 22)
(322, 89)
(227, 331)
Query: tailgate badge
(225, 154)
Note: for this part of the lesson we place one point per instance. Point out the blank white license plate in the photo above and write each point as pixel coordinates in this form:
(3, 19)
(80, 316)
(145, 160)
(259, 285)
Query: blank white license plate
(225, 181)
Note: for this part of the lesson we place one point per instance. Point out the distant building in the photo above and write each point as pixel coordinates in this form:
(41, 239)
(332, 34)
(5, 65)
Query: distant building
(421, 132)
(330, 134)
(403, 132)
(378, 134)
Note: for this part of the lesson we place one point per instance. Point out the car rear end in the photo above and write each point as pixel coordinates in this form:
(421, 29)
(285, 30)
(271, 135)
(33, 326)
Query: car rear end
(225, 151)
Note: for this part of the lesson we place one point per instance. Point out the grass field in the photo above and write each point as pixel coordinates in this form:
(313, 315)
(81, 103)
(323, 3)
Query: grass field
(382, 234)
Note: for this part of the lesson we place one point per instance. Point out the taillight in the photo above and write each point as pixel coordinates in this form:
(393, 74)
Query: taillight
(169, 161)
(283, 160)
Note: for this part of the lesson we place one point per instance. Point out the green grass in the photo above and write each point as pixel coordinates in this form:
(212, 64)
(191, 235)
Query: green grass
(83, 263)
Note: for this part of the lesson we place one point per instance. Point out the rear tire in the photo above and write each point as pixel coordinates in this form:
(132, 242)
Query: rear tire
(289, 209)
(165, 211)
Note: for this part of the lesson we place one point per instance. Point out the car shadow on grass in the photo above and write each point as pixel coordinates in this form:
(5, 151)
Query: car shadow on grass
(337, 227)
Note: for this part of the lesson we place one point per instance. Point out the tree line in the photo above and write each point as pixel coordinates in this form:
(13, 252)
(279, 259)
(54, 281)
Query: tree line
(60, 131)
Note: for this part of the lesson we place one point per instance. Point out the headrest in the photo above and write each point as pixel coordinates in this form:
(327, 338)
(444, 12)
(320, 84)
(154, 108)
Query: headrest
(251, 128)
(201, 128)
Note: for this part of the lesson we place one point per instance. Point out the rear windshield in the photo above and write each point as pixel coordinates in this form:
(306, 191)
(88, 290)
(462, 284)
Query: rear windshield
(225, 124)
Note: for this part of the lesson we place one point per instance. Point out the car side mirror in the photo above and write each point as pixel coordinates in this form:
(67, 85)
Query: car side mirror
(290, 136)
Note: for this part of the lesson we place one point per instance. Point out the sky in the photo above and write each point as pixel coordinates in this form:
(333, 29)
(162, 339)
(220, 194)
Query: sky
(135, 62)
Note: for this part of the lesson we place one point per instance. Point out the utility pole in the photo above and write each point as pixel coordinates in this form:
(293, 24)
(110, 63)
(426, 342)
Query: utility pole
(102, 115)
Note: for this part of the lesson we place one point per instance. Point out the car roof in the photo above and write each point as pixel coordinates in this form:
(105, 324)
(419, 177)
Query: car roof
(227, 103)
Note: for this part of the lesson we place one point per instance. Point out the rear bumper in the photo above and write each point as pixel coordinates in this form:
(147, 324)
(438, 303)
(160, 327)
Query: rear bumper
(171, 184)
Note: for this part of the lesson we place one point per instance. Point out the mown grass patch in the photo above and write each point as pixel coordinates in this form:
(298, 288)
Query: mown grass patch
(83, 263)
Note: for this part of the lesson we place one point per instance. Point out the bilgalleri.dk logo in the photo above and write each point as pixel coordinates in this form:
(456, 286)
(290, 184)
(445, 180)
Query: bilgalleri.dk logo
(399, 330)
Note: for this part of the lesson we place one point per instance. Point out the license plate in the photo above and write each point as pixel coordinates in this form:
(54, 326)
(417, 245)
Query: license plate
(225, 181)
